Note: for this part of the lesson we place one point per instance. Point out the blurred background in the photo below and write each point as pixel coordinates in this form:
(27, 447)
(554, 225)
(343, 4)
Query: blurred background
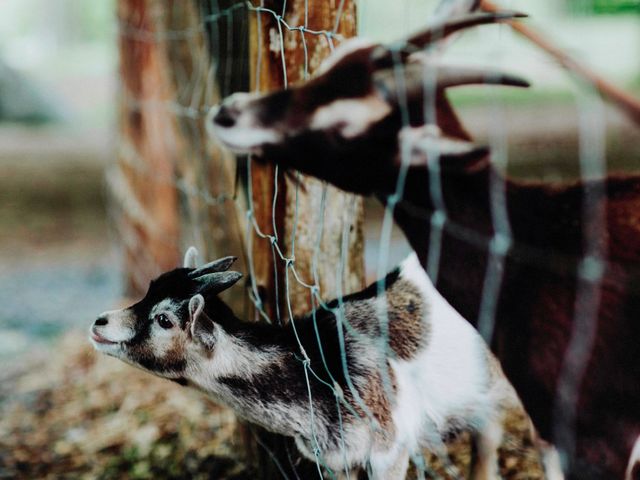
(58, 63)
(60, 259)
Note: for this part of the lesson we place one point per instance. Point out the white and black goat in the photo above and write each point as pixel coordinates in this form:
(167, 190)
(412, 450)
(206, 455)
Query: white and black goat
(431, 375)
(348, 125)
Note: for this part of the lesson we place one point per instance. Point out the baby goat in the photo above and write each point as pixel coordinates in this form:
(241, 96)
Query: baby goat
(348, 125)
(433, 373)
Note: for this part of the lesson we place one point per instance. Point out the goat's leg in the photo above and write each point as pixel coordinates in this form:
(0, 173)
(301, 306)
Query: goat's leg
(487, 443)
(550, 459)
(351, 475)
(390, 465)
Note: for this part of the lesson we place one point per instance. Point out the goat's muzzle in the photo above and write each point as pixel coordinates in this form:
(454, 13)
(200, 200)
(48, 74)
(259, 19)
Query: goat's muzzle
(112, 328)
(101, 321)
(223, 116)
(96, 337)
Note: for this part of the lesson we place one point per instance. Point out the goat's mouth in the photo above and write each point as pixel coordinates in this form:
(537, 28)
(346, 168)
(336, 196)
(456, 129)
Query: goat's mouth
(96, 338)
(240, 141)
(245, 137)
(239, 149)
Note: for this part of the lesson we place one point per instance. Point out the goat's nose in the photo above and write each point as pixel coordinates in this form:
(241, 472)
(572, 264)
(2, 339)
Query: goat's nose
(100, 321)
(224, 117)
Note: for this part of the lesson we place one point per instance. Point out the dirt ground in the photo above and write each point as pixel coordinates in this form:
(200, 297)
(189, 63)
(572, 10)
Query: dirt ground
(76, 415)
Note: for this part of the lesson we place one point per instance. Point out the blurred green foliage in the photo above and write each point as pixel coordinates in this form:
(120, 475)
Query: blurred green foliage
(73, 21)
(57, 61)
(605, 6)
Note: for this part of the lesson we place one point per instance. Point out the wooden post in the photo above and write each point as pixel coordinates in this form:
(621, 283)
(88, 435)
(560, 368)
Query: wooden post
(212, 211)
(174, 187)
(142, 181)
(342, 211)
(296, 213)
(160, 144)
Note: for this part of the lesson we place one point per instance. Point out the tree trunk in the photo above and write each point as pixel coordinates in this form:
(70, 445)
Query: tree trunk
(299, 206)
(176, 189)
(142, 180)
(212, 211)
(319, 226)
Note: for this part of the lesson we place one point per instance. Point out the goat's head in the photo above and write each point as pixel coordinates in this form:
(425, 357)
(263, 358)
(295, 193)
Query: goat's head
(351, 112)
(246, 123)
(168, 330)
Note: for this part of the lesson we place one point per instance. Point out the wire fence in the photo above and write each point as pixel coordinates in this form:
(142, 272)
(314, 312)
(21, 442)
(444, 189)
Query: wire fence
(172, 187)
(204, 45)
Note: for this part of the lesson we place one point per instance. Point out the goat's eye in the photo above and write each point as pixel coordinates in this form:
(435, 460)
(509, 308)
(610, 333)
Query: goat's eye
(164, 321)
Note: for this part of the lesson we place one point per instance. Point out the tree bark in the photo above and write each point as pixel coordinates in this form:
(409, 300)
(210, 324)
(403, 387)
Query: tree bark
(300, 218)
(212, 210)
(175, 188)
(142, 180)
(318, 226)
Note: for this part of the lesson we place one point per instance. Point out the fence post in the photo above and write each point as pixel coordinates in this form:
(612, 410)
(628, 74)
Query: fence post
(173, 188)
(341, 210)
(160, 143)
(302, 211)
(142, 180)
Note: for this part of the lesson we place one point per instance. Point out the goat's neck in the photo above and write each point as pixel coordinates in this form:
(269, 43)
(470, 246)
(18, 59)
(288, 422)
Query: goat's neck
(539, 219)
(241, 350)
(249, 369)
(465, 201)
(454, 252)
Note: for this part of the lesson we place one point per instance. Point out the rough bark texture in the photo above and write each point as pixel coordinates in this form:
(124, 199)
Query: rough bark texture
(318, 233)
(174, 187)
(142, 180)
(211, 213)
(305, 231)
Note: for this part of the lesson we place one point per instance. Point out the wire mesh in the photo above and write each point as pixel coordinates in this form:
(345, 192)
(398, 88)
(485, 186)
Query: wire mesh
(199, 189)
(212, 192)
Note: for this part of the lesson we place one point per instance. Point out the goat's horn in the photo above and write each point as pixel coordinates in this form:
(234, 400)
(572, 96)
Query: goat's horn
(382, 57)
(217, 282)
(190, 258)
(442, 30)
(220, 265)
(453, 76)
(419, 76)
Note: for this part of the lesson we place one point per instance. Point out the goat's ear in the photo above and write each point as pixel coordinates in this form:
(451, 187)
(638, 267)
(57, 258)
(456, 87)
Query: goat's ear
(220, 265)
(196, 307)
(201, 326)
(217, 282)
(427, 144)
(190, 258)
(426, 80)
